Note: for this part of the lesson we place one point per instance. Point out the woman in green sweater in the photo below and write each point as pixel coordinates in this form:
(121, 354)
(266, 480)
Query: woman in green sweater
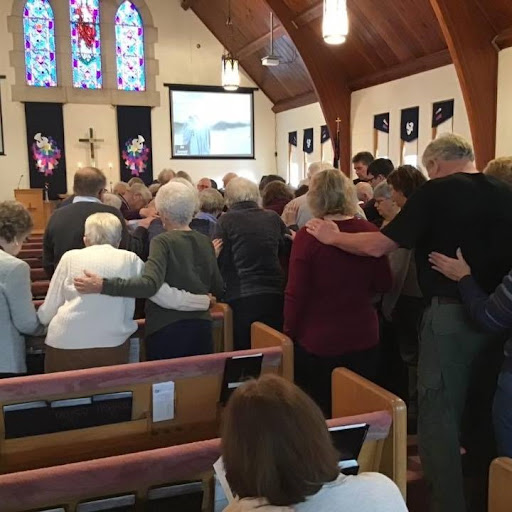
(182, 258)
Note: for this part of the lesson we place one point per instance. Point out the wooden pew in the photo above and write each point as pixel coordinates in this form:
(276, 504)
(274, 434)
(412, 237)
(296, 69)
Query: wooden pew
(30, 253)
(500, 485)
(38, 274)
(353, 394)
(40, 288)
(197, 413)
(34, 262)
(33, 246)
(136, 473)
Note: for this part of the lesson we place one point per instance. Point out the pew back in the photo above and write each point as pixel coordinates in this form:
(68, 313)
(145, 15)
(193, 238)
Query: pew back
(197, 383)
(353, 394)
(500, 485)
(136, 473)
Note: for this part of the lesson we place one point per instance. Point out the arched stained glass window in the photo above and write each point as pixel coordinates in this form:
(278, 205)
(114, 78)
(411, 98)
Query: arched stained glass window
(39, 39)
(85, 43)
(131, 74)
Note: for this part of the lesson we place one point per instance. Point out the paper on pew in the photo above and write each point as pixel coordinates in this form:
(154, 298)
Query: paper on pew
(163, 401)
(220, 471)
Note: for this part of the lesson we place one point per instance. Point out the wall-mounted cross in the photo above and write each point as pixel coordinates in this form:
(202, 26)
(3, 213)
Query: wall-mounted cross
(92, 142)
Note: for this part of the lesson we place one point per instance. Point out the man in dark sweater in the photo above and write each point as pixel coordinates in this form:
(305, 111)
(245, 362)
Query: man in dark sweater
(65, 230)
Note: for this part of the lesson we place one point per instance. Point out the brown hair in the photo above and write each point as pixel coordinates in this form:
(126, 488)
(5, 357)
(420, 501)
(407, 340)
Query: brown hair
(501, 169)
(331, 193)
(406, 179)
(276, 191)
(89, 182)
(15, 220)
(275, 443)
(363, 156)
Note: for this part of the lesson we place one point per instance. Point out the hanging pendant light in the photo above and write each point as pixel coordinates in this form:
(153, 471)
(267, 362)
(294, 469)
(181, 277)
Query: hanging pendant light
(335, 21)
(230, 68)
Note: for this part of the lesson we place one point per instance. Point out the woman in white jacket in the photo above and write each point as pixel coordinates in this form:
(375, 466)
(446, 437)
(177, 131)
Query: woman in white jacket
(279, 457)
(86, 331)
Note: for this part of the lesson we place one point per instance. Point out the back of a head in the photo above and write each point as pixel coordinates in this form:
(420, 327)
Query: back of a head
(501, 169)
(275, 443)
(228, 177)
(265, 180)
(165, 176)
(112, 200)
(406, 179)
(89, 182)
(15, 221)
(364, 191)
(184, 175)
(211, 201)
(316, 167)
(276, 191)
(177, 202)
(102, 229)
(364, 157)
(241, 189)
(448, 147)
(135, 180)
(142, 190)
(382, 191)
(381, 167)
(332, 193)
(120, 188)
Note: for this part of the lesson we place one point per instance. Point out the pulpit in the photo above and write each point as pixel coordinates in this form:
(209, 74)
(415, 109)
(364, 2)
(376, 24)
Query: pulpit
(39, 209)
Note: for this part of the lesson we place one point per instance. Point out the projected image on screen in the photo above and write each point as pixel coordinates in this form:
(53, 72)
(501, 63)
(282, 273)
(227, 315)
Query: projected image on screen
(211, 124)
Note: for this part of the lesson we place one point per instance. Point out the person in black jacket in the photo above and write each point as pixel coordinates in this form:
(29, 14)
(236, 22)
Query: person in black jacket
(65, 230)
(252, 241)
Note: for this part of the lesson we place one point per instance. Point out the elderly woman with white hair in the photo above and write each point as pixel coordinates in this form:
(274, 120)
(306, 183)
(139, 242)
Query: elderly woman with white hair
(180, 257)
(86, 331)
(384, 202)
(253, 239)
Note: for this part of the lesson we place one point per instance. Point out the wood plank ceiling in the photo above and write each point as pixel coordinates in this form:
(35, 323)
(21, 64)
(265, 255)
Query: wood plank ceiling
(388, 40)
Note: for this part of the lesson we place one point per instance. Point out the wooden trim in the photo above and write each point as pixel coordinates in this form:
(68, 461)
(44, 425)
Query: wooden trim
(310, 14)
(435, 60)
(500, 485)
(295, 102)
(504, 39)
(260, 42)
(375, 141)
(469, 35)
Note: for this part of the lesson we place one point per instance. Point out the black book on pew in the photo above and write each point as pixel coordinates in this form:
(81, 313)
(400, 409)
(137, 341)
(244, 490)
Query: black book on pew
(187, 497)
(124, 503)
(237, 370)
(28, 419)
(348, 441)
(58, 509)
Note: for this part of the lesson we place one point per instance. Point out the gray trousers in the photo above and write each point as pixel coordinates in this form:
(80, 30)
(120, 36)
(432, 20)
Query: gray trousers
(451, 348)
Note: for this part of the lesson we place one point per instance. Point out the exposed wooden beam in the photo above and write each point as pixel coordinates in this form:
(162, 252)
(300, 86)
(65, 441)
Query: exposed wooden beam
(297, 101)
(435, 60)
(329, 81)
(186, 4)
(260, 42)
(504, 39)
(469, 37)
(312, 13)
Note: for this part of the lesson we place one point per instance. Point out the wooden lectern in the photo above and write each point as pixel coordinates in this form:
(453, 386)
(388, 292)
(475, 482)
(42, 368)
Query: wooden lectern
(40, 210)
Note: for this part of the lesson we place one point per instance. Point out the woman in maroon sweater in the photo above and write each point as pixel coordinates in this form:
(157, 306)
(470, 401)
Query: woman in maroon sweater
(328, 303)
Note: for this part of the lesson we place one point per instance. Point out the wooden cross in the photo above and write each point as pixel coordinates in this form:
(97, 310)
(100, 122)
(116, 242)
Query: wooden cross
(91, 141)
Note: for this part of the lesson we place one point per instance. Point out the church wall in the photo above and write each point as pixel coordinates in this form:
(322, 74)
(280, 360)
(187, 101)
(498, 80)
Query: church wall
(418, 90)
(504, 123)
(180, 61)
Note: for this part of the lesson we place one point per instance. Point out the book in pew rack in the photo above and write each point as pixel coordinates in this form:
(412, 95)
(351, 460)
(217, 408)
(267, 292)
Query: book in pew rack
(237, 370)
(186, 497)
(124, 503)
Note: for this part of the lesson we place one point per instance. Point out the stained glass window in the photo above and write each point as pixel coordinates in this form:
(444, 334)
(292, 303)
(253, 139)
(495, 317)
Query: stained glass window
(131, 75)
(85, 43)
(39, 39)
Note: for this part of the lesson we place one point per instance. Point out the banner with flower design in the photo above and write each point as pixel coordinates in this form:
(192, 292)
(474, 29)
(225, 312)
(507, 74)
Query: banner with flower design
(135, 149)
(45, 146)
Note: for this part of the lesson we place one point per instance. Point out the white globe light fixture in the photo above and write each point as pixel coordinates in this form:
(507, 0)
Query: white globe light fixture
(335, 21)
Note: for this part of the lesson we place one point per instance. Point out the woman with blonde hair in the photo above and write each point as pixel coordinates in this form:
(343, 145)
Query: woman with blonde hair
(328, 301)
(279, 456)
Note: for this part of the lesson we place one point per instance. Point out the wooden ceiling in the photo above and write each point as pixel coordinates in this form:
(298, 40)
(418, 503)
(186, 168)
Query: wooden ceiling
(388, 39)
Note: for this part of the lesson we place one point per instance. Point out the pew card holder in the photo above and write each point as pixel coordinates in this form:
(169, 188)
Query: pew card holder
(185, 497)
(348, 441)
(28, 419)
(237, 370)
(124, 503)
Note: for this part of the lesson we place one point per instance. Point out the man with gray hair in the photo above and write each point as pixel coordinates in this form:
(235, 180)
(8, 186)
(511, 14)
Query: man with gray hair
(458, 208)
(165, 176)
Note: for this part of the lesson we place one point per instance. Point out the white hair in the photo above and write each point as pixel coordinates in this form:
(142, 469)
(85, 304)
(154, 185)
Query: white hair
(211, 201)
(177, 203)
(364, 190)
(382, 190)
(112, 200)
(120, 187)
(316, 167)
(448, 147)
(241, 189)
(184, 181)
(142, 190)
(165, 176)
(102, 229)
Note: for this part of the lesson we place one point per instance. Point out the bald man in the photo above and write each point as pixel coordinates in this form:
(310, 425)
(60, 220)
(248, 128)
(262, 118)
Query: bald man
(65, 230)
(228, 177)
(364, 193)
